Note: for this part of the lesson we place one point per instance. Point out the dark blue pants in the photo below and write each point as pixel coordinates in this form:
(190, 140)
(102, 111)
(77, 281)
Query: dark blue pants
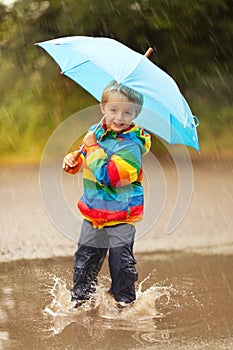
(89, 257)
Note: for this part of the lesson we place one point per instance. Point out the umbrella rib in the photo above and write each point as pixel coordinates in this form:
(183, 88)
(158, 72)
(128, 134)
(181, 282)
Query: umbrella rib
(135, 66)
(74, 67)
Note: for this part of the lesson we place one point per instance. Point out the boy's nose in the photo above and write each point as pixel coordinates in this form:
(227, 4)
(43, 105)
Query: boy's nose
(120, 116)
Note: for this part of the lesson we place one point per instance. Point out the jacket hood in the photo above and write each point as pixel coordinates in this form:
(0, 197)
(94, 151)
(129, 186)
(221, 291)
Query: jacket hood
(140, 136)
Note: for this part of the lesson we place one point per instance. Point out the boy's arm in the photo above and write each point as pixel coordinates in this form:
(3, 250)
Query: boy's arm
(122, 168)
(73, 161)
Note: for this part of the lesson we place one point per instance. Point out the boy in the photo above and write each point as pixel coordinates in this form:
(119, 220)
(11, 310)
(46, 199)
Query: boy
(112, 202)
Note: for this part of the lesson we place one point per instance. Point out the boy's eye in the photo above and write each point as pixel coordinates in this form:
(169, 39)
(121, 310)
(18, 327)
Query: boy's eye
(113, 110)
(129, 113)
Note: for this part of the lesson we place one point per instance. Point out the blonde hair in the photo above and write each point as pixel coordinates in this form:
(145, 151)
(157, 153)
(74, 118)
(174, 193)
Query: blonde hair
(132, 95)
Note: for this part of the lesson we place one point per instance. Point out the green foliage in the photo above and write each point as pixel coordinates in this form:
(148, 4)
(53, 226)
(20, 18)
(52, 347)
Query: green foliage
(192, 41)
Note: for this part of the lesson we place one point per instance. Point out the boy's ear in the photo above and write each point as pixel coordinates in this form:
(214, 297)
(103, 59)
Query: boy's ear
(102, 108)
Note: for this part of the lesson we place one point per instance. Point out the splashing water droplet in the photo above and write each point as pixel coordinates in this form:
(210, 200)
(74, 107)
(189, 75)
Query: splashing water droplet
(140, 315)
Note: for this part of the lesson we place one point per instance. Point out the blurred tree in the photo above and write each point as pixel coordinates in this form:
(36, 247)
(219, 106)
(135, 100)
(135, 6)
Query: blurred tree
(192, 42)
(190, 37)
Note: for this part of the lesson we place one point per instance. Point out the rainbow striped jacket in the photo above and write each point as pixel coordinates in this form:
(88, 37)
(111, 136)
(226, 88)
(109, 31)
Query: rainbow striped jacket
(112, 176)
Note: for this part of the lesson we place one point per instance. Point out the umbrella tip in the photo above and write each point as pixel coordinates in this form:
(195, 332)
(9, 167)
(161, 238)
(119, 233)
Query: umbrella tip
(149, 52)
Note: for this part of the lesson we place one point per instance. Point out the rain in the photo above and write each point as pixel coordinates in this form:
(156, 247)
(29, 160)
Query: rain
(185, 285)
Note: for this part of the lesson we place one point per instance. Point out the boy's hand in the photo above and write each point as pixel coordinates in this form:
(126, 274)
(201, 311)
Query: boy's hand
(70, 160)
(89, 139)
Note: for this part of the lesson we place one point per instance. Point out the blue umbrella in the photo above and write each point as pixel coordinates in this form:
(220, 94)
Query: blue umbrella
(94, 62)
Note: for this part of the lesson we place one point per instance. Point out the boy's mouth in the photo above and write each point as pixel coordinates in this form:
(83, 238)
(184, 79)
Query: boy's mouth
(118, 124)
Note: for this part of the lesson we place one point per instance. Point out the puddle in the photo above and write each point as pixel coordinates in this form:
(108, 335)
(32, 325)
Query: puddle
(183, 301)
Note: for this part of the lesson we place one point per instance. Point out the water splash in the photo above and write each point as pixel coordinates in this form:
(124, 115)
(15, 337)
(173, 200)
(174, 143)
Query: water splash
(140, 316)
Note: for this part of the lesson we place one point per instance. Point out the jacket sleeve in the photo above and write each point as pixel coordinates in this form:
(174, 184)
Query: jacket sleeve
(119, 169)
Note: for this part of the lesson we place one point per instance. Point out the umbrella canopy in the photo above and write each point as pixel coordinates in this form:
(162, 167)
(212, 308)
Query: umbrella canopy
(94, 62)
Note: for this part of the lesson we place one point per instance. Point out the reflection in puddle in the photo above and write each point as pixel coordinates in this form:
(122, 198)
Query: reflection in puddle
(185, 303)
(151, 306)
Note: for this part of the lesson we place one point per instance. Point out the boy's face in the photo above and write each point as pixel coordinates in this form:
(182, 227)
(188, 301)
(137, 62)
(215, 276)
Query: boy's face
(119, 112)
